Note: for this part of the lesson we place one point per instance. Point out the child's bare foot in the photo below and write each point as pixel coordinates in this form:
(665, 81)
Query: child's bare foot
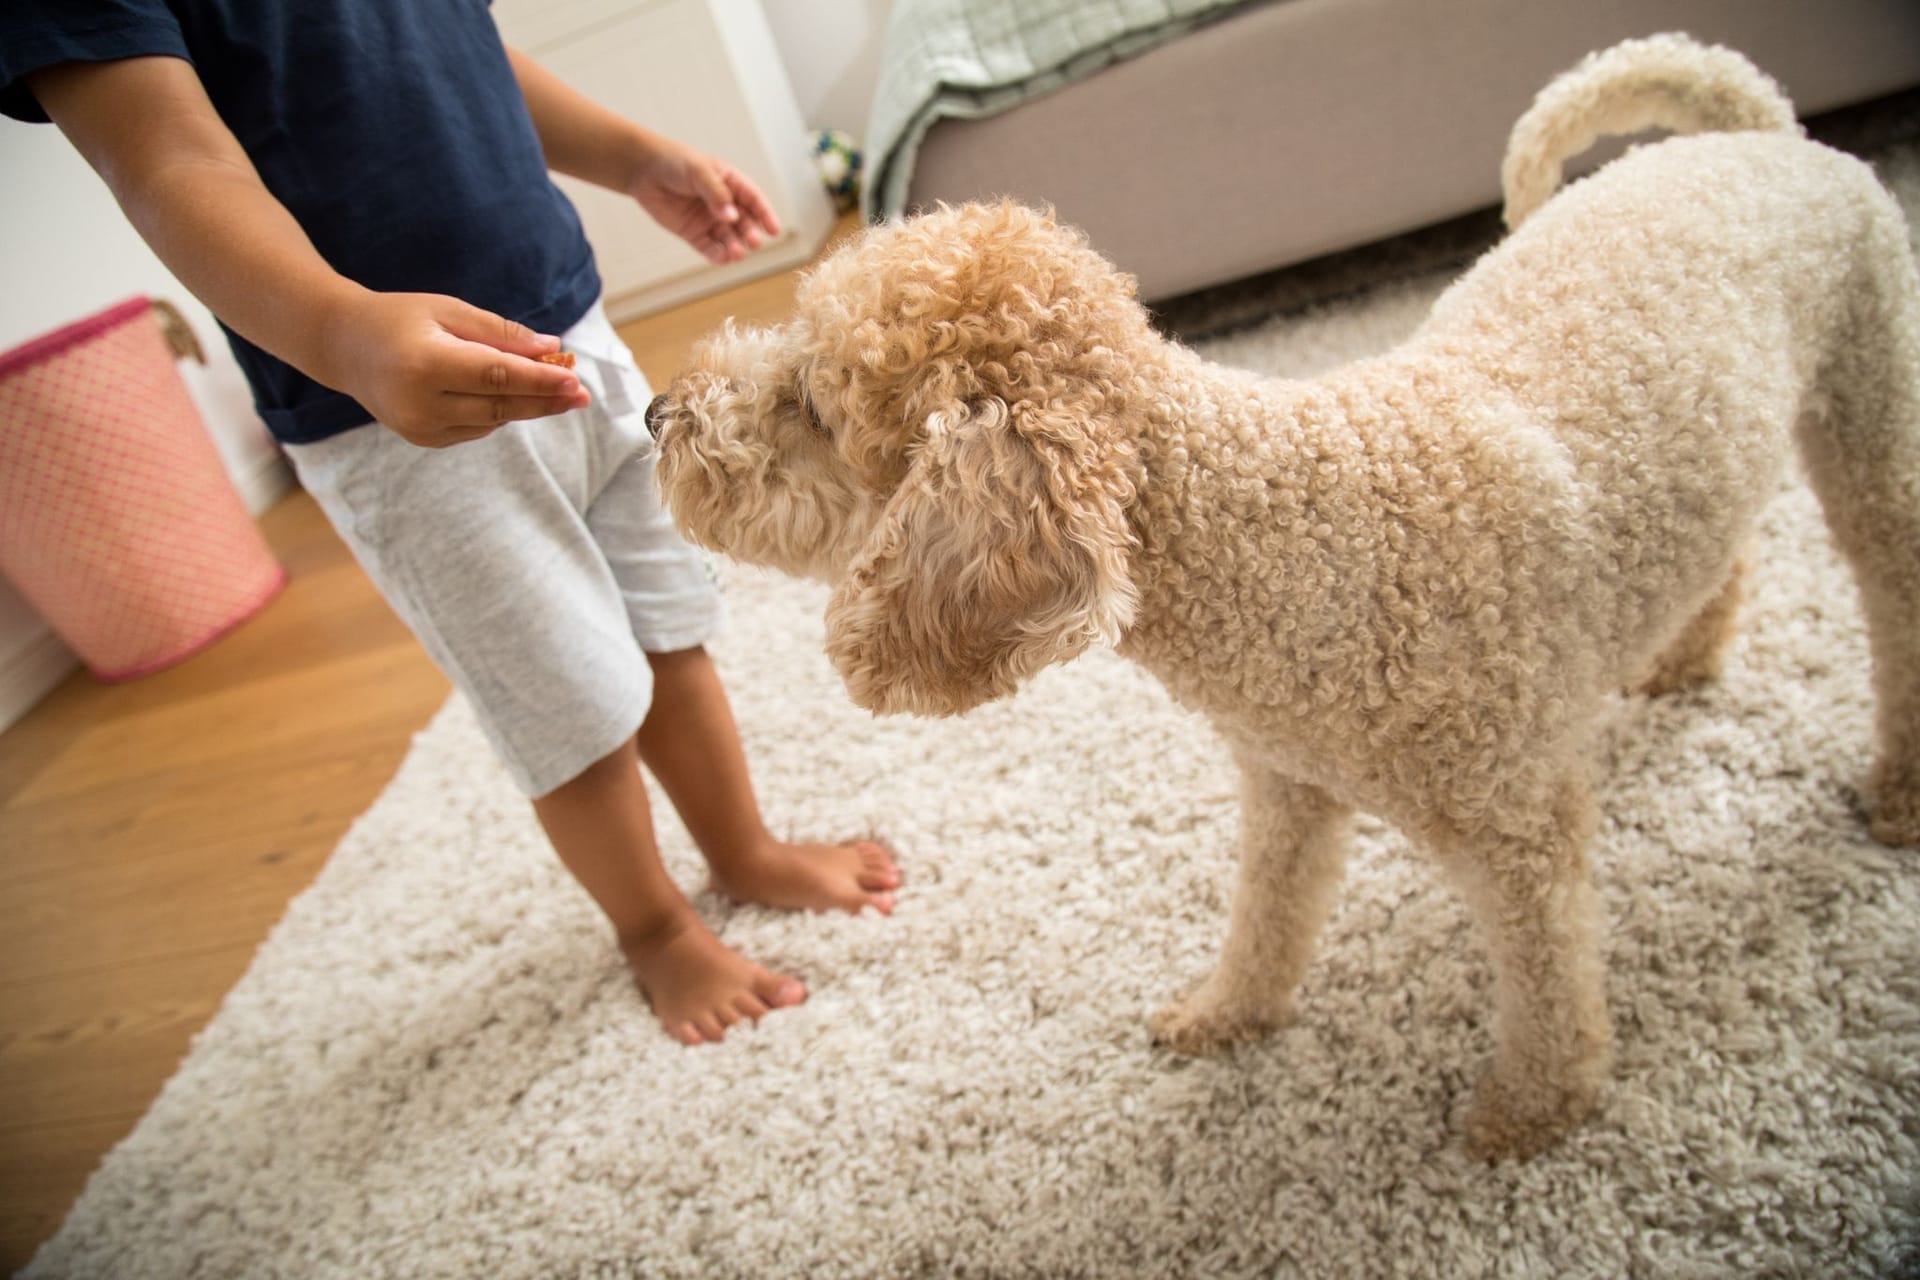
(812, 877)
(699, 987)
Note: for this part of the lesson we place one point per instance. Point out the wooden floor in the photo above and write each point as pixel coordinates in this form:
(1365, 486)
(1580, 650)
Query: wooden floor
(152, 833)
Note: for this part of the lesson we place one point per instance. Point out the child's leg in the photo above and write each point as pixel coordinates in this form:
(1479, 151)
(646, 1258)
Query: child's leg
(481, 551)
(601, 825)
(529, 563)
(690, 743)
(688, 739)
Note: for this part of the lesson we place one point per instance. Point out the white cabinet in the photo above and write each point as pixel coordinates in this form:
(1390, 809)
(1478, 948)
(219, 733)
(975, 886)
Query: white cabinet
(706, 72)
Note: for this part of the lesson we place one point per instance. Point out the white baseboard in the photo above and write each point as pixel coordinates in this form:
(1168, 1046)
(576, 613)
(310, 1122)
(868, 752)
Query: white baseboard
(32, 671)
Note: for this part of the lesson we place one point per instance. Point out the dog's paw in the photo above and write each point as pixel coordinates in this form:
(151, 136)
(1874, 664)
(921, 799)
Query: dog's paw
(1897, 827)
(1663, 682)
(1202, 1023)
(1513, 1124)
(1677, 672)
(1896, 812)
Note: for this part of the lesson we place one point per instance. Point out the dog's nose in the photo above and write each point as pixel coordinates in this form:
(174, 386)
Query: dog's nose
(656, 410)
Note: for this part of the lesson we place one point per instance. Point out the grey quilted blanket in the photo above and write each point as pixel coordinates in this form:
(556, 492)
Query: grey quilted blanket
(972, 58)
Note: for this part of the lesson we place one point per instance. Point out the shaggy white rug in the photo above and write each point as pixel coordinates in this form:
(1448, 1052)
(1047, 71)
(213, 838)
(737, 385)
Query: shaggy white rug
(438, 1067)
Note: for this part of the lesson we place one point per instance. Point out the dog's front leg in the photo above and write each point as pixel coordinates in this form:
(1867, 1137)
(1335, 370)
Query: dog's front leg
(1527, 884)
(1293, 842)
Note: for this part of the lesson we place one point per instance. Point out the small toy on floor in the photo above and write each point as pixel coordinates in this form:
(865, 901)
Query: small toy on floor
(837, 157)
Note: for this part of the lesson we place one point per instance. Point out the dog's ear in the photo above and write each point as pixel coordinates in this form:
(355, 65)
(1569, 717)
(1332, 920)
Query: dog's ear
(1003, 550)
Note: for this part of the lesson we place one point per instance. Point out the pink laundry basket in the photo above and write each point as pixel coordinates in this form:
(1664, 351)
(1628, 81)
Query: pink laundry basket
(118, 522)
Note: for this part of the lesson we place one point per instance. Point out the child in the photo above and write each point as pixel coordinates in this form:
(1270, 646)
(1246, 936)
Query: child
(358, 189)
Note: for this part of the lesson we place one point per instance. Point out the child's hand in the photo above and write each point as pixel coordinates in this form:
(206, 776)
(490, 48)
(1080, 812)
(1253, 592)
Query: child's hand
(439, 372)
(706, 202)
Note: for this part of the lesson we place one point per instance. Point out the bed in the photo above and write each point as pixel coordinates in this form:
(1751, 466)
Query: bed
(1203, 141)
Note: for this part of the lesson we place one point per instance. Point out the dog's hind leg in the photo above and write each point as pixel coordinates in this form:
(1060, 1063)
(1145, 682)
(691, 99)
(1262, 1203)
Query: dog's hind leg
(1693, 657)
(1862, 450)
(1524, 877)
(1293, 842)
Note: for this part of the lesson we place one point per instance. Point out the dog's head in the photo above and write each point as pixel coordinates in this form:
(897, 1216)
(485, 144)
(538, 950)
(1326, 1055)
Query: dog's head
(939, 432)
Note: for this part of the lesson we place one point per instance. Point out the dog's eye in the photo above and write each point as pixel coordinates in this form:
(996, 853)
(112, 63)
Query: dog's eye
(811, 414)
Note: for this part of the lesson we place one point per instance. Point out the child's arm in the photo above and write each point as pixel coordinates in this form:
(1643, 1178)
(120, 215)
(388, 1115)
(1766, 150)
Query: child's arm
(705, 201)
(432, 368)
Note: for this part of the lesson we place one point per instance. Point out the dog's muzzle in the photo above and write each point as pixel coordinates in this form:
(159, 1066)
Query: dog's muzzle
(656, 415)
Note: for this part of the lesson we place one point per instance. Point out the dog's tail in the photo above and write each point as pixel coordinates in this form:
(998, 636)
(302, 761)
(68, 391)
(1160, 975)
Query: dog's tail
(1665, 81)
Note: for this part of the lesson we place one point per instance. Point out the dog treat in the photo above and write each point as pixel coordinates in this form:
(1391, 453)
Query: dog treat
(562, 358)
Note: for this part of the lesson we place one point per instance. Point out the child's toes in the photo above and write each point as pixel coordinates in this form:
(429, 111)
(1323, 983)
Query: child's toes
(777, 992)
(877, 868)
(881, 902)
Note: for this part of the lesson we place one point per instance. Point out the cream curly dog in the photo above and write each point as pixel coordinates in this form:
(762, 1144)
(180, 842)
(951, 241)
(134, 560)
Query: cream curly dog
(1406, 586)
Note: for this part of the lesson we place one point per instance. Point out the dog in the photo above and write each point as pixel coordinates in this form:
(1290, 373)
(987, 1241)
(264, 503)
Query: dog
(1407, 586)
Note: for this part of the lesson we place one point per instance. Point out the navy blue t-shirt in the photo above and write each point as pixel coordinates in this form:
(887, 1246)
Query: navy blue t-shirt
(392, 130)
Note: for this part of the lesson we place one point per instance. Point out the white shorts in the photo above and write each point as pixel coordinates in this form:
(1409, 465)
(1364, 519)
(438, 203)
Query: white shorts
(537, 565)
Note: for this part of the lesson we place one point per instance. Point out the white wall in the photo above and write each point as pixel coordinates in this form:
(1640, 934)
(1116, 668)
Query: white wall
(832, 52)
(66, 252)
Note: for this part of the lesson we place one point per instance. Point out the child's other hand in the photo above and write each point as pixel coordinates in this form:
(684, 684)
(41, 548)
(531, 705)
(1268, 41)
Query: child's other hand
(439, 372)
(706, 202)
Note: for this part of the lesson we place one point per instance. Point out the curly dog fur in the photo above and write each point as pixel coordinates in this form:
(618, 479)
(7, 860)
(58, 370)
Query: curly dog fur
(1406, 586)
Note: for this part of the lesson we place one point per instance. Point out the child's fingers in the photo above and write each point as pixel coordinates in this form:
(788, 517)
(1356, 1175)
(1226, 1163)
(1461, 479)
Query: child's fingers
(742, 219)
(714, 247)
(710, 179)
(754, 209)
(487, 412)
(498, 372)
(463, 320)
(476, 369)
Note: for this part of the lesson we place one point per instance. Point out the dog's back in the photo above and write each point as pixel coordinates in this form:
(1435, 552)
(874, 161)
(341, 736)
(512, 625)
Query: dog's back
(1790, 274)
